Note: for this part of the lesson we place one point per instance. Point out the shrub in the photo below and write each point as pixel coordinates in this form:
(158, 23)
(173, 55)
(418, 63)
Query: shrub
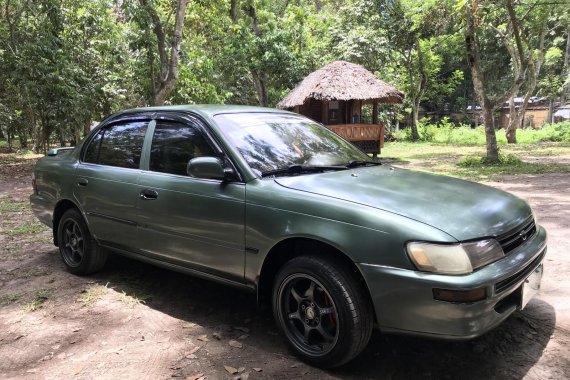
(508, 160)
(445, 132)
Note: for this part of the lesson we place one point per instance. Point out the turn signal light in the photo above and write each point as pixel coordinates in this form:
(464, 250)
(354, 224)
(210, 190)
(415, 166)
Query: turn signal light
(460, 296)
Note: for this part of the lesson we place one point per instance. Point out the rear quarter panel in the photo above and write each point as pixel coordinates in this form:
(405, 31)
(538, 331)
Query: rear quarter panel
(54, 176)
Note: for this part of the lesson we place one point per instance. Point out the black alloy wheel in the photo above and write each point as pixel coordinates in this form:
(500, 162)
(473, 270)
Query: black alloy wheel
(323, 310)
(310, 315)
(79, 251)
(72, 249)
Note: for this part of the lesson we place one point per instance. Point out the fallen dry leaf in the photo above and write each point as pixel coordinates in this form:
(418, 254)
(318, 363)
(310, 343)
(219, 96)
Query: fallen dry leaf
(191, 356)
(217, 335)
(235, 343)
(243, 336)
(241, 369)
(203, 338)
(242, 329)
(193, 351)
(195, 377)
(188, 325)
(231, 370)
(78, 370)
(257, 369)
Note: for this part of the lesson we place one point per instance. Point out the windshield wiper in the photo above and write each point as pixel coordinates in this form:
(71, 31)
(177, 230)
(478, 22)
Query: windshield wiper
(356, 163)
(298, 169)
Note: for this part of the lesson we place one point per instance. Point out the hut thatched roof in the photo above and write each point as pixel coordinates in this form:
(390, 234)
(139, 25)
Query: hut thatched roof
(342, 80)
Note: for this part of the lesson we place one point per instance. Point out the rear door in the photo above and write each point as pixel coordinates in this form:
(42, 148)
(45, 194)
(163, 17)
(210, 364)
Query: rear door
(196, 223)
(106, 181)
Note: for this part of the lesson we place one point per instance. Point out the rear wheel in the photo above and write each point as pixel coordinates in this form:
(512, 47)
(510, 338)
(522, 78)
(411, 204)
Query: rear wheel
(79, 251)
(322, 310)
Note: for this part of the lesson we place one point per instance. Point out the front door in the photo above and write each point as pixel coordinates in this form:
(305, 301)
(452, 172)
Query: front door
(196, 223)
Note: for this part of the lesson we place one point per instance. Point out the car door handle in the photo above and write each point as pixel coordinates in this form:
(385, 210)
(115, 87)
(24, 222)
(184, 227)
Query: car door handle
(82, 182)
(149, 194)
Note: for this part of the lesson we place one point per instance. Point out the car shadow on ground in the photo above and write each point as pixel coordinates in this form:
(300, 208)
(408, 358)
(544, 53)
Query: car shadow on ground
(507, 352)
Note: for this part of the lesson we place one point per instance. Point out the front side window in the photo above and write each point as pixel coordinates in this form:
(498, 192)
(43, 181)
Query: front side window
(174, 144)
(118, 145)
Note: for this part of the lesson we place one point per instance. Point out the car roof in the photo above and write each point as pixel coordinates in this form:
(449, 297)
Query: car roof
(207, 110)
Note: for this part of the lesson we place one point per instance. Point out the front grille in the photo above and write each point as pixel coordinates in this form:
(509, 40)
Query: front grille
(515, 238)
(522, 274)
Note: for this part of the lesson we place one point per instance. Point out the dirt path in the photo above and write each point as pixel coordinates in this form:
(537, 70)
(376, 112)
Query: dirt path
(136, 321)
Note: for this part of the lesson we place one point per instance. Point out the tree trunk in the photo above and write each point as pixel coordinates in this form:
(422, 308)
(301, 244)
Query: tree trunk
(551, 111)
(168, 76)
(261, 88)
(259, 79)
(419, 92)
(517, 115)
(234, 10)
(565, 68)
(473, 59)
(514, 121)
(415, 119)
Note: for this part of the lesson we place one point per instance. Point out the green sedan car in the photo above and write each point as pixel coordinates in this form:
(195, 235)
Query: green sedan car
(275, 203)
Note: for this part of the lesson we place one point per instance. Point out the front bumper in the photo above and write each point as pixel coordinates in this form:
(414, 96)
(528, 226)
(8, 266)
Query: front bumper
(404, 301)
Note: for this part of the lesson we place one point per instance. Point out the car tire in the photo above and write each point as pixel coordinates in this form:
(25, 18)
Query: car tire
(79, 251)
(323, 310)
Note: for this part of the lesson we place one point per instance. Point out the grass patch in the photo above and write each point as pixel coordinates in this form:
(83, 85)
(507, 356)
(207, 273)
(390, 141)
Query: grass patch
(40, 298)
(8, 205)
(8, 299)
(93, 293)
(132, 300)
(27, 229)
(466, 161)
(478, 167)
(29, 273)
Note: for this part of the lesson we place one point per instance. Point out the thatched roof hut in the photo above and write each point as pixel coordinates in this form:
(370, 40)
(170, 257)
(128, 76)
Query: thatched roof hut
(342, 80)
(337, 95)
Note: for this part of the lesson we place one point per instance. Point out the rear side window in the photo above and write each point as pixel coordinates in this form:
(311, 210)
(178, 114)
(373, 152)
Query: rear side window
(174, 144)
(118, 145)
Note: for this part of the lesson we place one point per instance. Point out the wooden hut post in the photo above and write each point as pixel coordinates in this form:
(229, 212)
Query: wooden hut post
(325, 115)
(375, 113)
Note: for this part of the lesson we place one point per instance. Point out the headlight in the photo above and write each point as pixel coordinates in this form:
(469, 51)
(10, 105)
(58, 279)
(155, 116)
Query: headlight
(454, 259)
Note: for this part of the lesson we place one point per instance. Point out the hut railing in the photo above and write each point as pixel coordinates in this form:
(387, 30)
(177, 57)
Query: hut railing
(368, 137)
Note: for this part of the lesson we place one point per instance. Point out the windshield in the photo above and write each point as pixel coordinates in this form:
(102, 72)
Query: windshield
(271, 141)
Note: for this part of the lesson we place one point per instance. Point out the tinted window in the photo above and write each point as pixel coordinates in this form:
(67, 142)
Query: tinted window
(92, 151)
(118, 145)
(174, 144)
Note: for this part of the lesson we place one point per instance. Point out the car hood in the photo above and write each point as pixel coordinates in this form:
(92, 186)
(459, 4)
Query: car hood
(463, 209)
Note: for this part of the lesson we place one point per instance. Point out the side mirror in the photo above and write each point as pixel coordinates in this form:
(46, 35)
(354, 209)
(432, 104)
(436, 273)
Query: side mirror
(207, 168)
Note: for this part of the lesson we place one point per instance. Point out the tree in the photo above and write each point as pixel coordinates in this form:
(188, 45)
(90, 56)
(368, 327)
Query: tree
(164, 81)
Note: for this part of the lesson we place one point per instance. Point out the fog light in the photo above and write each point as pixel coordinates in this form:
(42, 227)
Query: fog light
(459, 296)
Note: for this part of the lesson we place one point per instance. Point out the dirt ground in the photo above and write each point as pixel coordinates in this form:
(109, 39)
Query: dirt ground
(134, 321)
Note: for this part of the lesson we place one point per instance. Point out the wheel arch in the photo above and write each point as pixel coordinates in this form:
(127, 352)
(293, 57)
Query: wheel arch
(290, 248)
(60, 208)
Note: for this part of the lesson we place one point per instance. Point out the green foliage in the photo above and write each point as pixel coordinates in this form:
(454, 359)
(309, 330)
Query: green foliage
(445, 132)
(558, 132)
(504, 160)
(65, 64)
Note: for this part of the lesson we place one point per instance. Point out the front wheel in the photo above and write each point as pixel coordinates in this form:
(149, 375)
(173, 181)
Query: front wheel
(323, 310)
(79, 251)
